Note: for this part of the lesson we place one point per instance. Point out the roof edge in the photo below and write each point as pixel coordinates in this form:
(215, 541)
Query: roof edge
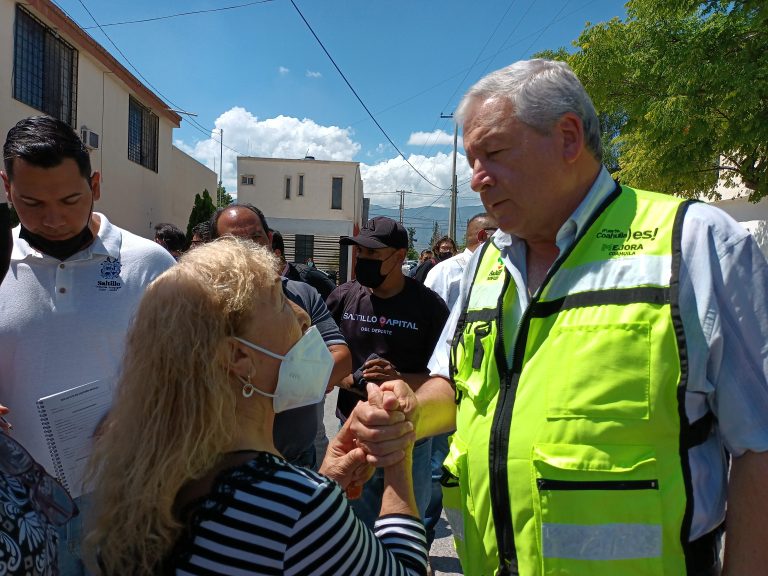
(67, 27)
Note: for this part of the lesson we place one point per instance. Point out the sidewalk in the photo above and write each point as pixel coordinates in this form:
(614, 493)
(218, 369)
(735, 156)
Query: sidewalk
(443, 555)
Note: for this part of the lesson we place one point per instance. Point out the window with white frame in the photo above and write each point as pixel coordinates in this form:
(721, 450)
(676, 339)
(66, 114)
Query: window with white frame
(246, 179)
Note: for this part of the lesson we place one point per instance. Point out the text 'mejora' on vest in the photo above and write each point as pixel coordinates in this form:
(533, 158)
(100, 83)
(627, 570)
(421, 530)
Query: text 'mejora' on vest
(574, 458)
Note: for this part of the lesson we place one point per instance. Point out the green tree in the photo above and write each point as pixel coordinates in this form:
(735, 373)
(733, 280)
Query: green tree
(610, 122)
(223, 198)
(412, 254)
(685, 84)
(436, 234)
(201, 211)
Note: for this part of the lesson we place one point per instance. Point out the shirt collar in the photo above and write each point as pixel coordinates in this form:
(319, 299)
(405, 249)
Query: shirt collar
(601, 188)
(106, 243)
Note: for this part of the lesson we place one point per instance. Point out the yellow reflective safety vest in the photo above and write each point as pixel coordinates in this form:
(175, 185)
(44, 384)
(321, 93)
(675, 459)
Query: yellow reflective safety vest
(573, 459)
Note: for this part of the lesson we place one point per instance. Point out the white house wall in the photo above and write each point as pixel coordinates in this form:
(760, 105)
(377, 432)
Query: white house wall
(310, 214)
(132, 196)
(753, 216)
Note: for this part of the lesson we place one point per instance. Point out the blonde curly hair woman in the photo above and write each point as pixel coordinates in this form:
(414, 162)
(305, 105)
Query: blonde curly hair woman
(186, 475)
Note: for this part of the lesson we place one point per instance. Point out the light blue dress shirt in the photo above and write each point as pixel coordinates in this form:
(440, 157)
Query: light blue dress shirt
(724, 307)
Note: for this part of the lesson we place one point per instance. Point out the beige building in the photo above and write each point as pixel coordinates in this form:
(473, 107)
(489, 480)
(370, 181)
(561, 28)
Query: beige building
(311, 202)
(50, 65)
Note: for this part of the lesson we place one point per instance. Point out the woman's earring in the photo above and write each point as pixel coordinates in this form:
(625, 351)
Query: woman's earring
(248, 388)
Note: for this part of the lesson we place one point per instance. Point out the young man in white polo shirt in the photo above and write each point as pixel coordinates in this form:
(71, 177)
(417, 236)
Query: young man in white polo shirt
(74, 282)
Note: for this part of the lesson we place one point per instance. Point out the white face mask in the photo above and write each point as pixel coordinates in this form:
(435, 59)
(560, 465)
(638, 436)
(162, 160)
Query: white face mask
(304, 372)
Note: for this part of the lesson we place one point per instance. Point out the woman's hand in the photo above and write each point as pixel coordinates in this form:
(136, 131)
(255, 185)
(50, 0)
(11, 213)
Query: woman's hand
(344, 461)
(384, 426)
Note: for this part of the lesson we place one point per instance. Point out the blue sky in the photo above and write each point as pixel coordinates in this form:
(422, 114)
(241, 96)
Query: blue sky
(258, 72)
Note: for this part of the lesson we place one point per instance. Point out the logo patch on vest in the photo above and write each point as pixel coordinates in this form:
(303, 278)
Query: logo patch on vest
(110, 273)
(497, 270)
(630, 242)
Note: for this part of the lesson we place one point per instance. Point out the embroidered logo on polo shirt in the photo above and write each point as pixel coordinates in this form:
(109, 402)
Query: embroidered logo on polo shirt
(110, 272)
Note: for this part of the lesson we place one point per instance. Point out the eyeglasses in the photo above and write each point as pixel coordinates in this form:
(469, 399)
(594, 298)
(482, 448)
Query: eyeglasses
(46, 494)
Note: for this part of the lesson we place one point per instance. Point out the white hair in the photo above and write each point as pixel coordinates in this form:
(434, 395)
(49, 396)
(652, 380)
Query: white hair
(540, 91)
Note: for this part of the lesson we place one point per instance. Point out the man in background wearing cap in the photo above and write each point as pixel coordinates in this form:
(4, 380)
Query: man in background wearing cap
(391, 324)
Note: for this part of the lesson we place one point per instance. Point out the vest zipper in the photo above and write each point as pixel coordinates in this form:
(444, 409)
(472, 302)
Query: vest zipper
(498, 449)
(546, 484)
(501, 507)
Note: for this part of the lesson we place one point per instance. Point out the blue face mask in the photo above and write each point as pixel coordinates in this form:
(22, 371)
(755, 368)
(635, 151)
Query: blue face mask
(304, 372)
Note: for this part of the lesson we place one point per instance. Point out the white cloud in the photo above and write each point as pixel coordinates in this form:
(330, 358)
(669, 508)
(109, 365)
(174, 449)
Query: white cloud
(283, 70)
(280, 137)
(288, 137)
(436, 138)
(311, 74)
(382, 179)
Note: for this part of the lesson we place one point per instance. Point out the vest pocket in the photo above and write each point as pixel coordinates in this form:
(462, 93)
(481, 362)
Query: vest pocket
(601, 371)
(474, 362)
(458, 503)
(597, 510)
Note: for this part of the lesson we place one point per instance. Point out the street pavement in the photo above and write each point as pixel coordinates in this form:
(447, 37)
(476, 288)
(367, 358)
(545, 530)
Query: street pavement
(442, 556)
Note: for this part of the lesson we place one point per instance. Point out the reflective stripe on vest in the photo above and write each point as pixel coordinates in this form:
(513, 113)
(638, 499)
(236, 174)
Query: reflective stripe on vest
(578, 451)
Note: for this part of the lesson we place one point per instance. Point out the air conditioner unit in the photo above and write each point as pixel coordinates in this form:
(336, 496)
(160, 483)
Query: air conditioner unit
(89, 138)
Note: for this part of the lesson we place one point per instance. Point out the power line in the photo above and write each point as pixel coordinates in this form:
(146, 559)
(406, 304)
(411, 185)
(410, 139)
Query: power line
(361, 100)
(511, 32)
(547, 27)
(177, 15)
(194, 123)
(498, 24)
(480, 53)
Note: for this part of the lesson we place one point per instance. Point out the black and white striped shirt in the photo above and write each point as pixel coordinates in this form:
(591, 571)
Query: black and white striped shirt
(269, 517)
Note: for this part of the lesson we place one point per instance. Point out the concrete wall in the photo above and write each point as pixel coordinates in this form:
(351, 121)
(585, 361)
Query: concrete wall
(268, 188)
(311, 213)
(133, 196)
(753, 216)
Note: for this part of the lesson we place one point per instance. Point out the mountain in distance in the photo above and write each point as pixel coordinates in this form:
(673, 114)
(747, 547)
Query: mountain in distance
(423, 219)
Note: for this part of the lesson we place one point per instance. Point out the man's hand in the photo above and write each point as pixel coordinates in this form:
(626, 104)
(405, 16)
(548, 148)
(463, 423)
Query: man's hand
(384, 426)
(344, 462)
(379, 369)
(746, 552)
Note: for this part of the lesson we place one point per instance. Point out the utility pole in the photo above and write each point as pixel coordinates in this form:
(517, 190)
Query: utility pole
(221, 167)
(454, 191)
(402, 203)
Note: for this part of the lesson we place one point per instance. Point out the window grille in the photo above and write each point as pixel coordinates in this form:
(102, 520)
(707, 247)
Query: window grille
(44, 68)
(143, 134)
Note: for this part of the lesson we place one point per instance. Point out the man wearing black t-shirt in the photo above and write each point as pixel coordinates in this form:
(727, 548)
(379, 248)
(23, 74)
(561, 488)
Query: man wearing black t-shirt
(391, 324)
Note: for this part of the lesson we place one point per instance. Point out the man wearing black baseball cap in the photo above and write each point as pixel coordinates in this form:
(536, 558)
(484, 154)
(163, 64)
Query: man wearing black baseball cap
(391, 324)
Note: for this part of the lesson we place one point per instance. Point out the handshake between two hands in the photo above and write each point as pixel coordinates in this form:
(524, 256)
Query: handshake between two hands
(378, 433)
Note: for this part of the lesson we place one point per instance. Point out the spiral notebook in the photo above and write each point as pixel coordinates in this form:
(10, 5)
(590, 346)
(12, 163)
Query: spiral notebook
(69, 419)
